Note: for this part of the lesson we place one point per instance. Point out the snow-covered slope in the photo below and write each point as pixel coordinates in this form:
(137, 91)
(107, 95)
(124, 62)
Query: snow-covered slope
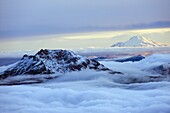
(138, 41)
(52, 61)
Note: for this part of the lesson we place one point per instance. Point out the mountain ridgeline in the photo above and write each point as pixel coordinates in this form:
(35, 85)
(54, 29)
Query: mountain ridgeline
(51, 62)
(138, 41)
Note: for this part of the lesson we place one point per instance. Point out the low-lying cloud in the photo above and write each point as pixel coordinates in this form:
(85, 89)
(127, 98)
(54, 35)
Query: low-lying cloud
(89, 92)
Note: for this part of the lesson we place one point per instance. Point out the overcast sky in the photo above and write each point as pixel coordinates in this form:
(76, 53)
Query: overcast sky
(36, 24)
(37, 17)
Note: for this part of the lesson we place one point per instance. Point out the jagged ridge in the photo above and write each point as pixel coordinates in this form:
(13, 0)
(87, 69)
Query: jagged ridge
(52, 61)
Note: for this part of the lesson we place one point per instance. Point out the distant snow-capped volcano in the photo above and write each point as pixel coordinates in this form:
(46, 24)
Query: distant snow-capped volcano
(138, 41)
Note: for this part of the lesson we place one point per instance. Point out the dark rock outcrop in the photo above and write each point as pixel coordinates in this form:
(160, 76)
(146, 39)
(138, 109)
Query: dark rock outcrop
(133, 59)
(163, 69)
(52, 61)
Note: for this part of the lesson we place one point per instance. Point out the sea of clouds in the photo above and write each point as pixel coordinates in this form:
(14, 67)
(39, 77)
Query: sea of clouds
(86, 96)
(91, 92)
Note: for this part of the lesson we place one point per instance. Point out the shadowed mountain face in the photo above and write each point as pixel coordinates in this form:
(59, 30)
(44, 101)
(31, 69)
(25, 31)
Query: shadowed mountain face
(52, 61)
(163, 69)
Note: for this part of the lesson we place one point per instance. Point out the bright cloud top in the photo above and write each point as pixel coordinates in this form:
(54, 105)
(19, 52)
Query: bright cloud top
(90, 91)
(93, 92)
(62, 98)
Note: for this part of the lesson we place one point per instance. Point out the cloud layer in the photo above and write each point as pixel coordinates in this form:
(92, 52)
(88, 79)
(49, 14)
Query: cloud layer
(89, 92)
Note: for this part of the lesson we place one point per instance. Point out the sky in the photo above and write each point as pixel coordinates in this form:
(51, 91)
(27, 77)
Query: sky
(82, 40)
(27, 20)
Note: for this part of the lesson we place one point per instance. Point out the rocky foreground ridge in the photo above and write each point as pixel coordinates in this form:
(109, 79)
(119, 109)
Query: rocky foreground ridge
(51, 62)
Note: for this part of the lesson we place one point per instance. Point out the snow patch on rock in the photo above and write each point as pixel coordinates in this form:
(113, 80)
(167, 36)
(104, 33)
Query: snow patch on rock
(52, 61)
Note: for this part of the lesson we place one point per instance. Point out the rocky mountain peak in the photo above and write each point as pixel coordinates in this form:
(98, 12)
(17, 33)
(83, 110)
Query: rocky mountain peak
(52, 61)
(56, 54)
